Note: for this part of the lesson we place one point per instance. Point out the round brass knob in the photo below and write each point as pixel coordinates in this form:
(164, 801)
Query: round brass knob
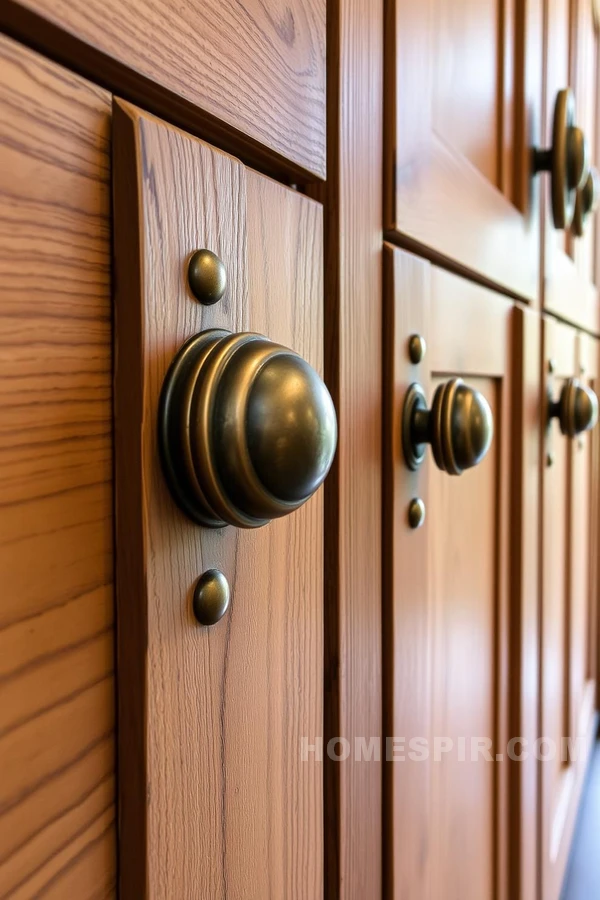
(247, 429)
(459, 426)
(586, 202)
(567, 160)
(576, 409)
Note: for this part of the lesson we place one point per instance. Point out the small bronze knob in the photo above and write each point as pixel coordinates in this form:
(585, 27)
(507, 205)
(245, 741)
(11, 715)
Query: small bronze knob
(459, 426)
(576, 409)
(567, 160)
(586, 202)
(247, 429)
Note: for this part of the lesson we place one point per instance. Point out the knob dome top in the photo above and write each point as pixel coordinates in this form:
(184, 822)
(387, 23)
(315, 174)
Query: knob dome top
(291, 428)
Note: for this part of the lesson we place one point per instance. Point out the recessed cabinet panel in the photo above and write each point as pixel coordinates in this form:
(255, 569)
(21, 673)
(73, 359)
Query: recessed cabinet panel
(256, 67)
(446, 580)
(216, 798)
(463, 98)
(569, 598)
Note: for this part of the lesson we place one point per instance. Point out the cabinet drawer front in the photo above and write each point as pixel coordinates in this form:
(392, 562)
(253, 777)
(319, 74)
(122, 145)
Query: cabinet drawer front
(446, 612)
(216, 799)
(458, 135)
(258, 67)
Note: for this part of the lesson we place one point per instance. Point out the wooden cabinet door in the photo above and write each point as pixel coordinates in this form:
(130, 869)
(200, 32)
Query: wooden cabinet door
(463, 105)
(447, 678)
(57, 744)
(220, 793)
(569, 590)
(571, 61)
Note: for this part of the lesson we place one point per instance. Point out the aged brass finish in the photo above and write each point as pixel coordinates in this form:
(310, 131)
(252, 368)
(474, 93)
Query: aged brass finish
(416, 512)
(207, 277)
(576, 409)
(586, 202)
(567, 160)
(459, 426)
(211, 597)
(247, 429)
(417, 348)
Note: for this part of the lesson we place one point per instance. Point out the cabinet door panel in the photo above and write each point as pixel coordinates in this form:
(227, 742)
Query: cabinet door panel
(569, 588)
(462, 112)
(446, 600)
(216, 800)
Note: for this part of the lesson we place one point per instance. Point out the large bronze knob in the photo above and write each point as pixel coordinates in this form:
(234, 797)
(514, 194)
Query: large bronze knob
(459, 426)
(576, 409)
(247, 429)
(567, 160)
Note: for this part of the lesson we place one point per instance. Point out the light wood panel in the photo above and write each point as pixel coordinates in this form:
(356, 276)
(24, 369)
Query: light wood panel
(57, 832)
(462, 111)
(353, 239)
(216, 800)
(569, 586)
(249, 74)
(446, 602)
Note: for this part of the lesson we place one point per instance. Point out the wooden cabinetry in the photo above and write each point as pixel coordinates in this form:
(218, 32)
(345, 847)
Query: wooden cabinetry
(218, 797)
(463, 102)
(568, 614)
(447, 675)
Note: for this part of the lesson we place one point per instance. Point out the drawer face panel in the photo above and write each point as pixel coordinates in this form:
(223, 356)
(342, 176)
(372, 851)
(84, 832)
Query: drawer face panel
(257, 66)
(446, 598)
(216, 799)
(457, 137)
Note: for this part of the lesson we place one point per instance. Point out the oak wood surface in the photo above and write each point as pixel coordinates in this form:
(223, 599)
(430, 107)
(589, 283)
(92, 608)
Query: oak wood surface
(569, 500)
(57, 811)
(446, 599)
(352, 197)
(462, 109)
(215, 798)
(249, 74)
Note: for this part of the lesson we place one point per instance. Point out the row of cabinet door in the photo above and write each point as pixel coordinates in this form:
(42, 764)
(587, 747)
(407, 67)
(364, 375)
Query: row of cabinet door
(472, 91)
(491, 603)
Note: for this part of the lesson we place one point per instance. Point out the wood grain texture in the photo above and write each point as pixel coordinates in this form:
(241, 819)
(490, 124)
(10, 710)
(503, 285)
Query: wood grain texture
(446, 597)
(249, 74)
(215, 798)
(457, 136)
(568, 684)
(353, 240)
(57, 832)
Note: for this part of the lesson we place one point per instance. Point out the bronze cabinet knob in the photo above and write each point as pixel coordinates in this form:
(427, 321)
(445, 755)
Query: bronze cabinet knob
(576, 409)
(247, 429)
(459, 426)
(586, 202)
(567, 160)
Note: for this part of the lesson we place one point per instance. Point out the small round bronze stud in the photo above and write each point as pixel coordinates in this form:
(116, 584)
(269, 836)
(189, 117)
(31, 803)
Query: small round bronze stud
(416, 512)
(417, 348)
(207, 277)
(549, 458)
(211, 597)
